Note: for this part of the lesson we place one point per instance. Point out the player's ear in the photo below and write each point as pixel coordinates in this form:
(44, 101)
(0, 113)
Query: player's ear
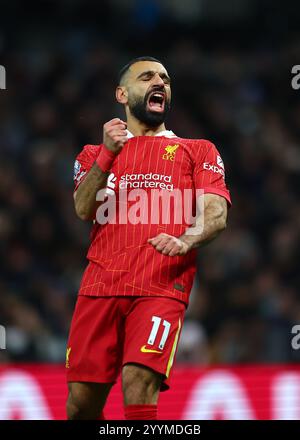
(121, 95)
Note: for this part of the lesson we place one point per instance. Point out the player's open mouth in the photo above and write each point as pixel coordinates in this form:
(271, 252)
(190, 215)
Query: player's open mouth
(156, 101)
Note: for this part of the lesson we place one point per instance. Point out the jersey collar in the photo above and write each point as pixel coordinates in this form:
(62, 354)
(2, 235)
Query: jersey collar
(164, 133)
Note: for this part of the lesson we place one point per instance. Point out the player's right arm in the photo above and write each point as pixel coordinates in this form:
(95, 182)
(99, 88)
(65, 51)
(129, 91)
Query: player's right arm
(114, 138)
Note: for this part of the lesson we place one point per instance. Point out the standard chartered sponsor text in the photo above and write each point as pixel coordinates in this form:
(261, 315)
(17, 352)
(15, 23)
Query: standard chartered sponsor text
(147, 180)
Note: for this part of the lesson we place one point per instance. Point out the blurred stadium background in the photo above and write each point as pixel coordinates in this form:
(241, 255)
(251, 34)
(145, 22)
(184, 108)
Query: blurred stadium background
(230, 64)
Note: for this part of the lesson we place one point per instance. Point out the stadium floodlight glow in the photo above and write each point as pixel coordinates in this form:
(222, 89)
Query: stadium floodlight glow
(2, 78)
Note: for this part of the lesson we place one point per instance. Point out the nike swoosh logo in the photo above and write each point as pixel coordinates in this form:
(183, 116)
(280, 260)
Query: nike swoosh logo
(148, 350)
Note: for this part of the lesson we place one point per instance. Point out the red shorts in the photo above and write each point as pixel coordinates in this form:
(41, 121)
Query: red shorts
(109, 332)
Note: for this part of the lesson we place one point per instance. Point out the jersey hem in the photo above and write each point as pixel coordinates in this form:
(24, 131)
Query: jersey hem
(122, 295)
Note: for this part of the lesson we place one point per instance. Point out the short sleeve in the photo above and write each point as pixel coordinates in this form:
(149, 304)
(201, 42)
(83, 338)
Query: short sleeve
(209, 172)
(84, 162)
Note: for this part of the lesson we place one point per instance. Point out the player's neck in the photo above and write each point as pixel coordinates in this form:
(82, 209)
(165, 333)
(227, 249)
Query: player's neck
(138, 129)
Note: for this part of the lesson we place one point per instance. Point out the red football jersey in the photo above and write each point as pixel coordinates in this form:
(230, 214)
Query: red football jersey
(122, 263)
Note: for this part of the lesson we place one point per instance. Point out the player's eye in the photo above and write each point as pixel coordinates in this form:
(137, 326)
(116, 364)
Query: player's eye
(146, 78)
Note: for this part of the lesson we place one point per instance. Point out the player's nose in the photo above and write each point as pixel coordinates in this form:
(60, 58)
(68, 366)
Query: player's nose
(157, 80)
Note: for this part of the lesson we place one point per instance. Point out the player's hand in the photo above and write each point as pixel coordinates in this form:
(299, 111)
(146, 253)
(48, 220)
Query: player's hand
(169, 245)
(115, 135)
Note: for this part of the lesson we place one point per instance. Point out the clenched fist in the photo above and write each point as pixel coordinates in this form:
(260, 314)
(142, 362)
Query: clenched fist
(169, 245)
(115, 135)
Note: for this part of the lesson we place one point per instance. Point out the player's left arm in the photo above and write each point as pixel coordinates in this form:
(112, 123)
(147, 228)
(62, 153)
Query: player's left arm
(207, 227)
(208, 175)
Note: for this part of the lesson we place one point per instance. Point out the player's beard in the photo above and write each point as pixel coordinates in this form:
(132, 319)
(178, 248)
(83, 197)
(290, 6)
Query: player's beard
(138, 108)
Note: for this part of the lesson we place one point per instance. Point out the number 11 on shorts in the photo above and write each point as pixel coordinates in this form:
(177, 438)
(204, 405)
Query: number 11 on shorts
(156, 324)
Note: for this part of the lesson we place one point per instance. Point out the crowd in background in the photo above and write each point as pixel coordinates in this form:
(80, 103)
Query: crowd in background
(60, 92)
